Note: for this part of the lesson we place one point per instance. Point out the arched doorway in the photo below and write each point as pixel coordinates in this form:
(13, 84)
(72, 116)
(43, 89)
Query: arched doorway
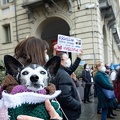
(50, 28)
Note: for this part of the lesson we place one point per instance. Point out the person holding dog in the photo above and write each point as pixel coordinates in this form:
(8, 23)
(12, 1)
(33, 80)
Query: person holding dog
(29, 51)
(24, 53)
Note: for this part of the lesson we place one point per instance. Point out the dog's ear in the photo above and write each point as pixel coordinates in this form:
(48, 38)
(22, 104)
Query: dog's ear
(53, 65)
(12, 65)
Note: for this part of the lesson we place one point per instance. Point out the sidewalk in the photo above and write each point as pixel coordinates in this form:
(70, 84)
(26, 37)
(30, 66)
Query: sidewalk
(89, 111)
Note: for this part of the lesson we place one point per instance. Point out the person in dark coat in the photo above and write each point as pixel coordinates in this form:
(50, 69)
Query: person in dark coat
(86, 77)
(101, 80)
(68, 99)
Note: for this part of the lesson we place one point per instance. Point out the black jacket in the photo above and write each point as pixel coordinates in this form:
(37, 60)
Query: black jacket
(86, 76)
(68, 98)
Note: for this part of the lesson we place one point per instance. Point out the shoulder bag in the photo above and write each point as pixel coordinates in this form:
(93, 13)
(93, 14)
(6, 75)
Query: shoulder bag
(108, 93)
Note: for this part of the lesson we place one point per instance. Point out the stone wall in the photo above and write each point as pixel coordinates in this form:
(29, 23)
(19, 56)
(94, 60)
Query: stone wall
(86, 23)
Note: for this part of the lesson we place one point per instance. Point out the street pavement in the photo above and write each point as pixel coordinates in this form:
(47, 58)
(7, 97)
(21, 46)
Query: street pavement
(89, 111)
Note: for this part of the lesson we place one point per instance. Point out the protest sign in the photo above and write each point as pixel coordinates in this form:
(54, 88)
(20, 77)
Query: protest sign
(69, 44)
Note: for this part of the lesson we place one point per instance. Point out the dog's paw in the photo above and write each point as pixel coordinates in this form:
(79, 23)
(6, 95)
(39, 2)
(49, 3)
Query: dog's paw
(50, 88)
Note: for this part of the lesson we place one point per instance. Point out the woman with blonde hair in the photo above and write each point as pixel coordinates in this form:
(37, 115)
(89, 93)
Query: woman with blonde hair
(101, 80)
(95, 69)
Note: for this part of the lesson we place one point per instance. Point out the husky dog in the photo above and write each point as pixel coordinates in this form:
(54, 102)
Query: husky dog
(33, 76)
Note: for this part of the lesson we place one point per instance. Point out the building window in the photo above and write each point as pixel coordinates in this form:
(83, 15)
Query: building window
(7, 33)
(3, 2)
(6, 11)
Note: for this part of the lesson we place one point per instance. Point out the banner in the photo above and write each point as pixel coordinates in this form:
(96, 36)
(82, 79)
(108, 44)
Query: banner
(69, 44)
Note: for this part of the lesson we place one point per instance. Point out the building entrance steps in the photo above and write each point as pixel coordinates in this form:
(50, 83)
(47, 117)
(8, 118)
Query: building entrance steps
(89, 111)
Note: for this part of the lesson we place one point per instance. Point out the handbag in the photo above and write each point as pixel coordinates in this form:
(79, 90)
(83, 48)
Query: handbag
(108, 93)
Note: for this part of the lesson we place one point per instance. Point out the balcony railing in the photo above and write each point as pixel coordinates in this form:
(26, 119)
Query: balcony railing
(31, 3)
(34, 3)
(103, 4)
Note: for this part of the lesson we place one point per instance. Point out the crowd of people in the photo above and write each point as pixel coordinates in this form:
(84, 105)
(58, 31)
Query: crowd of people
(65, 80)
(106, 77)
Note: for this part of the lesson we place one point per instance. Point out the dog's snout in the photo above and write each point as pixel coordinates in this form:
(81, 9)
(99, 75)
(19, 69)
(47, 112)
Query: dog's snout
(34, 78)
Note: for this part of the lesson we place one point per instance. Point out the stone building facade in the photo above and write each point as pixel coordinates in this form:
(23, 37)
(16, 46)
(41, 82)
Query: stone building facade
(96, 22)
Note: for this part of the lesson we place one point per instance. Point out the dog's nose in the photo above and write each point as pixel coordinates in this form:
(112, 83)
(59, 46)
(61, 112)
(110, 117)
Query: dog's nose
(34, 78)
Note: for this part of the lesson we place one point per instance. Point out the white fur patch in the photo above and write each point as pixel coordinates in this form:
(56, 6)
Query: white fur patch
(12, 101)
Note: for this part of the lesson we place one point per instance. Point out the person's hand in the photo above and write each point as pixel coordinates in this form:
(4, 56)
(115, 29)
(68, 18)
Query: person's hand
(80, 54)
(73, 76)
(55, 49)
(51, 111)
(53, 114)
(25, 117)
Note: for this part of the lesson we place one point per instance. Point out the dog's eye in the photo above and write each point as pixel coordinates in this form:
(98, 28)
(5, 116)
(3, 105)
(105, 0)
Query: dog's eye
(25, 73)
(42, 72)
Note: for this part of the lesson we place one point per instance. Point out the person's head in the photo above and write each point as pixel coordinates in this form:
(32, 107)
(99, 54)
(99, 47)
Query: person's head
(65, 60)
(107, 66)
(31, 50)
(92, 68)
(98, 66)
(117, 68)
(86, 66)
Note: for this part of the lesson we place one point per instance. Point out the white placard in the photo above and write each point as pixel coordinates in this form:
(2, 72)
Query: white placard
(69, 44)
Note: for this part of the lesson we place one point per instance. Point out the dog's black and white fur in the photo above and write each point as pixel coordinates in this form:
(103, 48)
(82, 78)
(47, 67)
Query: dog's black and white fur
(33, 76)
